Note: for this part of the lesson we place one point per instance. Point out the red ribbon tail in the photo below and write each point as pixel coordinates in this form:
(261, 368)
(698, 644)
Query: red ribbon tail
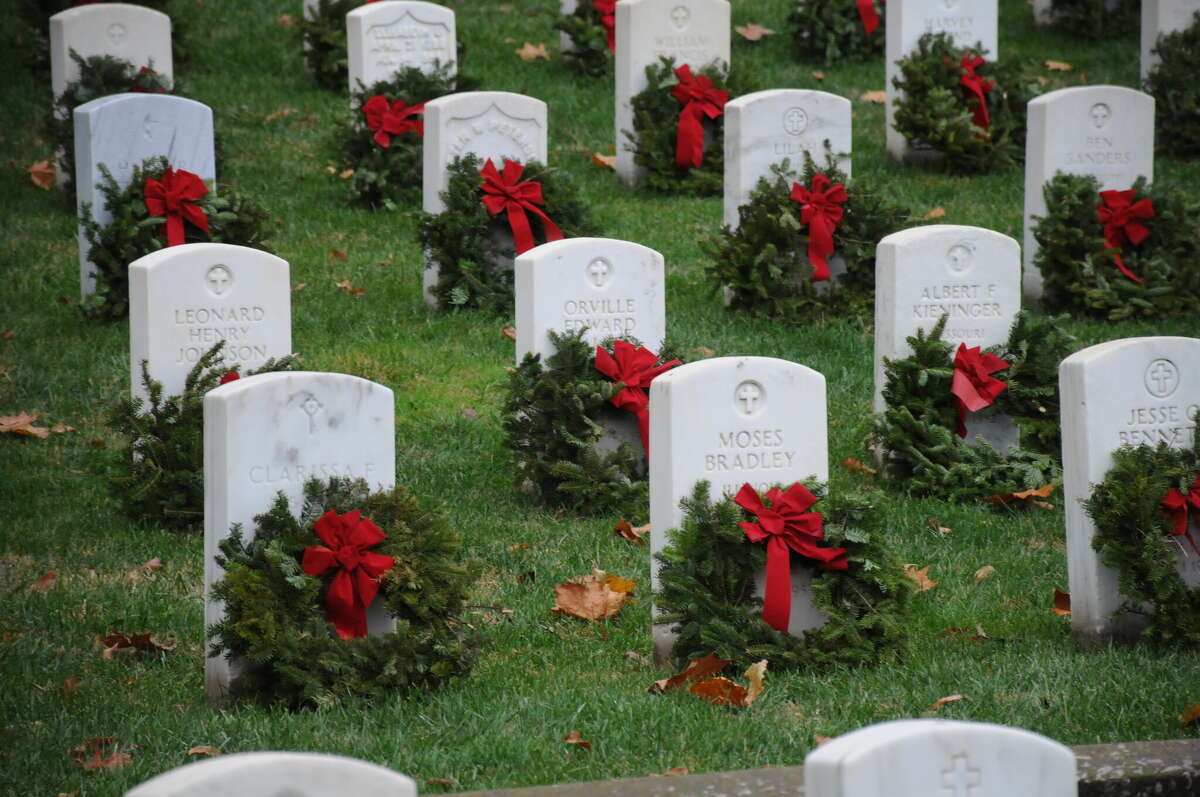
(174, 229)
(519, 222)
(553, 233)
(1119, 262)
(777, 597)
(820, 244)
(689, 142)
(342, 609)
(866, 12)
(960, 428)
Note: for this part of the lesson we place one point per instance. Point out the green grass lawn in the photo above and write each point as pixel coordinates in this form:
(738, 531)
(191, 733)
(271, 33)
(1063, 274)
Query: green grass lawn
(539, 675)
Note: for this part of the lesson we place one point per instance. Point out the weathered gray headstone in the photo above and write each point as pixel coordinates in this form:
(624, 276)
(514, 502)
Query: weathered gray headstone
(946, 758)
(278, 774)
(694, 32)
(767, 127)
(1160, 17)
(384, 37)
(270, 433)
(731, 421)
(969, 21)
(120, 131)
(1104, 131)
(183, 299)
(1123, 392)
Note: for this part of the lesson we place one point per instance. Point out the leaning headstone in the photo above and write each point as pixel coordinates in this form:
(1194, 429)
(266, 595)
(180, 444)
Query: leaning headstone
(489, 124)
(968, 21)
(1104, 131)
(183, 299)
(120, 131)
(1160, 17)
(767, 127)
(1123, 392)
(277, 773)
(611, 288)
(923, 273)
(693, 32)
(733, 420)
(270, 433)
(946, 758)
(384, 37)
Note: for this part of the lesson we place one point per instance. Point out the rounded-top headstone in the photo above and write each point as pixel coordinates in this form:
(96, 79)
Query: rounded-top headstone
(132, 33)
(385, 37)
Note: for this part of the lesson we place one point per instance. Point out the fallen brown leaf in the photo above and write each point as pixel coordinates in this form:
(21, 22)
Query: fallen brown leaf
(71, 684)
(530, 51)
(145, 570)
(6, 335)
(45, 583)
(634, 656)
(300, 286)
(1189, 715)
(204, 749)
(271, 117)
(346, 174)
(753, 31)
(704, 351)
(944, 701)
(22, 424)
(1062, 603)
(697, 670)
(983, 573)
(1057, 66)
(100, 753)
(920, 576)
(576, 738)
(822, 740)
(935, 213)
(674, 771)
(145, 642)
(518, 546)
(338, 254)
(42, 174)
(61, 428)
(1024, 498)
(878, 96)
(348, 288)
(592, 598)
(818, 75)
(604, 161)
(936, 525)
(724, 692)
(634, 534)
(286, 21)
(509, 332)
(852, 465)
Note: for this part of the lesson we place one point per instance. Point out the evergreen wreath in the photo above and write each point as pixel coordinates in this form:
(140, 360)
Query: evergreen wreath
(922, 453)
(590, 53)
(389, 176)
(323, 30)
(550, 424)
(1079, 18)
(832, 31)
(133, 232)
(474, 250)
(1136, 535)
(655, 128)
(275, 613)
(1079, 270)
(763, 265)
(935, 112)
(157, 473)
(707, 581)
(1172, 82)
(99, 76)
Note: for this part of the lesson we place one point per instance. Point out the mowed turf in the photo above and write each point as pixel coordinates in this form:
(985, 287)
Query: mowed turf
(539, 675)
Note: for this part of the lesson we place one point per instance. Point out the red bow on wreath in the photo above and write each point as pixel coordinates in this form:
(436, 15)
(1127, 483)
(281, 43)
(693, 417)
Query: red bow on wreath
(1121, 217)
(348, 537)
(175, 197)
(635, 367)
(973, 387)
(1176, 504)
(699, 98)
(868, 15)
(141, 87)
(392, 120)
(786, 526)
(821, 210)
(607, 9)
(978, 88)
(503, 191)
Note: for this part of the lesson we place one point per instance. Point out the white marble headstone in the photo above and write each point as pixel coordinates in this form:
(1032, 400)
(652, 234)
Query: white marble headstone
(969, 21)
(922, 273)
(694, 32)
(764, 128)
(1104, 131)
(1123, 392)
(183, 299)
(489, 124)
(277, 773)
(122, 130)
(614, 289)
(1160, 17)
(384, 37)
(270, 433)
(946, 758)
(733, 420)
(132, 33)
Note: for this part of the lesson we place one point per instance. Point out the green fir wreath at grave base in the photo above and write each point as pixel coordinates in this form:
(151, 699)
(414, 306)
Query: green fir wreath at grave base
(99, 76)
(1173, 84)
(656, 125)
(550, 426)
(1133, 537)
(133, 232)
(387, 178)
(934, 111)
(1078, 273)
(831, 31)
(764, 262)
(706, 589)
(474, 249)
(275, 613)
(924, 456)
(589, 53)
(1082, 19)
(157, 472)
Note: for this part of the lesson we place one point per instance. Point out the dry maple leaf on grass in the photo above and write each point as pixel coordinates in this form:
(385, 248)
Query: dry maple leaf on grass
(44, 583)
(596, 597)
(635, 534)
(724, 692)
(983, 573)
(204, 749)
(576, 738)
(22, 424)
(1025, 498)
(935, 213)
(530, 51)
(944, 701)
(42, 174)
(604, 161)
(1062, 603)
(920, 576)
(878, 96)
(852, 465)
(132, 643)
(100, 752)
(697, 670)
(752, 31)
(1189, 715)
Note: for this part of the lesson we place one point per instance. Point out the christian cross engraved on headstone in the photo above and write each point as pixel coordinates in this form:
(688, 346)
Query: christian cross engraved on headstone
(960, 780)
(1161, 378)
(749, 393)
(311, 407)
